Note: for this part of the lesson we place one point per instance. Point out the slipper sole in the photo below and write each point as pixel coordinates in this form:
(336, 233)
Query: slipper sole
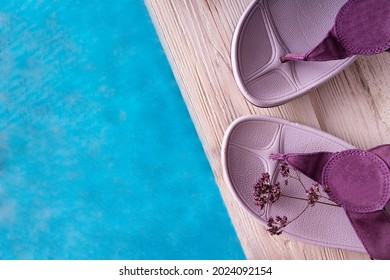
(246, 150)
(269, 30)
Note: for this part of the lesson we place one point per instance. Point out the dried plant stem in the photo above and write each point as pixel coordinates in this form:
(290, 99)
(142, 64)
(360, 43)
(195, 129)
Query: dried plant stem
(307, 206)
(327, 198)
(298, 178)
(304, 199)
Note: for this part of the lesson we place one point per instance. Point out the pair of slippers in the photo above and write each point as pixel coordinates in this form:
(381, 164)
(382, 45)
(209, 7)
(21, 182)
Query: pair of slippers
(298, 180)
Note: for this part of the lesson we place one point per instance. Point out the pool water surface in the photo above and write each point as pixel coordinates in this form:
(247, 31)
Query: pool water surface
(99, 158)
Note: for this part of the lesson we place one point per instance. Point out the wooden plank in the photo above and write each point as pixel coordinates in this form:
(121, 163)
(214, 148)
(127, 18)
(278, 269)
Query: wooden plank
(354, 106)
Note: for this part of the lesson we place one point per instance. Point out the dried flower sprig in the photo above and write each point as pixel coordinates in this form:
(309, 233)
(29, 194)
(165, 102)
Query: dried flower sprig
(313, 194)
(267, 193)
(276, 226)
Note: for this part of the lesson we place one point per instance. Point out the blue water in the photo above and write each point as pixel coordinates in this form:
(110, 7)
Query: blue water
(99, 158)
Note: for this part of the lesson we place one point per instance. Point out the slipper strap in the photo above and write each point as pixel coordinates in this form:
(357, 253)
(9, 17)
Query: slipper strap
(359, 181)
(362, 27)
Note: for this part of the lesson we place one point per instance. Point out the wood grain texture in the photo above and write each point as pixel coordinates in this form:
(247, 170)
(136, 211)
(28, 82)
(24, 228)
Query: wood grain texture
(354, 106)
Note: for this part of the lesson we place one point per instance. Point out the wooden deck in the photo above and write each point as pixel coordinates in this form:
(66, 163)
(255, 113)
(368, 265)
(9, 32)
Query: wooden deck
(354, 106)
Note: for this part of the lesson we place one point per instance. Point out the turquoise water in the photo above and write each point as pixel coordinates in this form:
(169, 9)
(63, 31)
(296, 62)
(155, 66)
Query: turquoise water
(99, 158)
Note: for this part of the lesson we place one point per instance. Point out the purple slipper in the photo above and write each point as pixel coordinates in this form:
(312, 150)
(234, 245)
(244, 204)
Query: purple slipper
(272, 31)
(362, 27)
(310, 185)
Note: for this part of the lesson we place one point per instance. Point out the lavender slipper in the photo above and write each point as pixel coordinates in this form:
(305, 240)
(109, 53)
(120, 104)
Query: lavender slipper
(272, 167)
(274, 31)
